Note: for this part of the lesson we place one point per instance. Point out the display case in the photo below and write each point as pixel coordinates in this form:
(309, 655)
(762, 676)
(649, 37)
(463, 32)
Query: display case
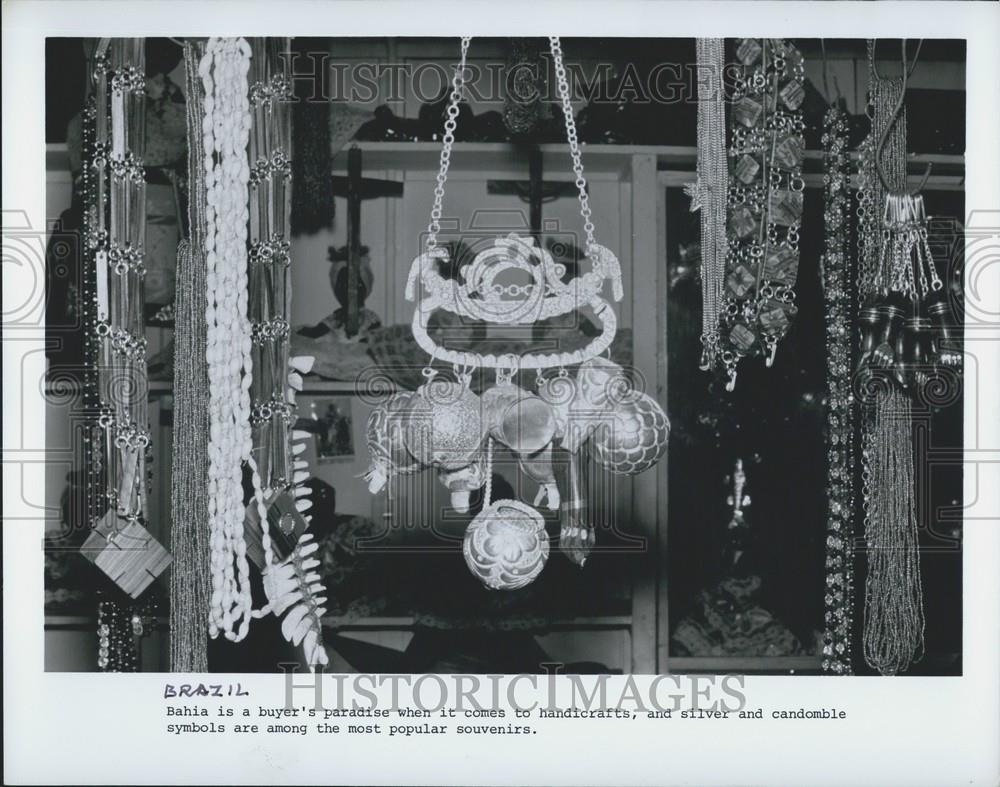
(661, 553)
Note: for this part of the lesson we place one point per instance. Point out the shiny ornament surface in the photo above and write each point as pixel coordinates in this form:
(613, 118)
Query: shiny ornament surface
(445, 426)
(386, 443)
(633, 437)
(518, 419)
(580, 404)
(506, 545)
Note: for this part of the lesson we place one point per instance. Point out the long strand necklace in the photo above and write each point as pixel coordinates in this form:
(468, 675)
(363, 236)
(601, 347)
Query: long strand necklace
(226, 130)
(765, 201)
(709, 192)
(836, 277)
(190, 587)
(894, 612)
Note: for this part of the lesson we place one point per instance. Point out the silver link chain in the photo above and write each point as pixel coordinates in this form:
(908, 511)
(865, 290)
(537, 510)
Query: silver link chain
(451, 122)
(574, 146)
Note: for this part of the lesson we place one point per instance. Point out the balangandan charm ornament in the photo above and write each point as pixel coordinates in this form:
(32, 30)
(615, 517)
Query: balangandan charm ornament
(444, 424)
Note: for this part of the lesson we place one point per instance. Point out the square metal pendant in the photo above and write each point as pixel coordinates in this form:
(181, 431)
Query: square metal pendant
(740, 281)
(773, 318)
(785, 207)
(742, 337)
(748, 52)
(793, 94)
(742, 222)
(781, 264)
(747, 111)
(789, 150)
(746, 169)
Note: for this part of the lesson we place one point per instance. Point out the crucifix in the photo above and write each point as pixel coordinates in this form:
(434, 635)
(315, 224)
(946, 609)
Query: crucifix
(357, 189)
(535, 191)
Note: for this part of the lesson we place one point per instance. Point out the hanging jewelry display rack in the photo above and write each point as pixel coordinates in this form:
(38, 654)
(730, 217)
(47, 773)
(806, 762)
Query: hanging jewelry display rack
(445, 425)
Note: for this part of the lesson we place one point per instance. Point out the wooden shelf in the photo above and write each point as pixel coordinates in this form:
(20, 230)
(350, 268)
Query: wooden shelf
(375, 622)
(480, 156)
(382, 623)
(744, 664)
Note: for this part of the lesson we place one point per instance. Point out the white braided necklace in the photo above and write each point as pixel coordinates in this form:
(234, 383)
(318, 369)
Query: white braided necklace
(224, 70)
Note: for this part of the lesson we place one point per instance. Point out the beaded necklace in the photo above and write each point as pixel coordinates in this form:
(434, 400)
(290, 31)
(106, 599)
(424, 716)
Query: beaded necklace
(226, 130)
(836, 277)
(190, 587)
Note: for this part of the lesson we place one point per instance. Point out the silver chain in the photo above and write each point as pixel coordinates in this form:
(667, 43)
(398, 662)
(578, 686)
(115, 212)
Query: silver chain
(451, 122)
(574, 145)
(710, 193)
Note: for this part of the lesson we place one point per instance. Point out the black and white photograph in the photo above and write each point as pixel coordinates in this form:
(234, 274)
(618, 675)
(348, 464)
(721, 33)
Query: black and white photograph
(329, 421)
(813, 351)
(599, 357)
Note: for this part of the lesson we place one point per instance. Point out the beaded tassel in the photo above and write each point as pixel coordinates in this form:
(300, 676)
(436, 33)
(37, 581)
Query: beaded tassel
(894, 612)
(894, 615)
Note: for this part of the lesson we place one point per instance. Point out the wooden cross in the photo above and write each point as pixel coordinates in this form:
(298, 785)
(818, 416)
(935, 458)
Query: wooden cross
(534, 191)
(357, 189)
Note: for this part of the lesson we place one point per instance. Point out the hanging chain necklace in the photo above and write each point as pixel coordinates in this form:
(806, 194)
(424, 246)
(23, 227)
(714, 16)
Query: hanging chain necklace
(115, 203)
(708, 195)
(765, 201)
(836, 277)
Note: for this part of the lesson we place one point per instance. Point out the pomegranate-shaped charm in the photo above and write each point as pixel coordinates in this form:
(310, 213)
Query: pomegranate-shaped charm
(506, 545)
(445, 426)
(633, 436)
